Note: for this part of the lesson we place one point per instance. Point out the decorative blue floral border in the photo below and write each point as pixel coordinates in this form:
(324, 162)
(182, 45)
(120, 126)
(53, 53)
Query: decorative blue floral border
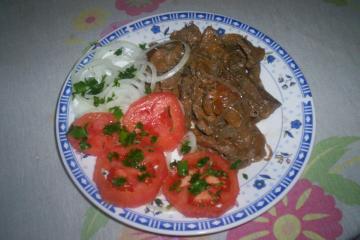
(202, 225)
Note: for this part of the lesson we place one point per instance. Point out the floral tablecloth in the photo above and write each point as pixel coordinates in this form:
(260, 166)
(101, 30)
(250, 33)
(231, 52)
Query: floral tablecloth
(40, 41)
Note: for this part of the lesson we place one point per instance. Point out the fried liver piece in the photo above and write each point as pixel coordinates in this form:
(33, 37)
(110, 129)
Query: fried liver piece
(221, 91)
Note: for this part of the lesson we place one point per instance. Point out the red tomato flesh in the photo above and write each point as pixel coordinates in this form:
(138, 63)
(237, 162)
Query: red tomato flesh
(94, 124)
(215, 199)
(134, 192)
(162, 115)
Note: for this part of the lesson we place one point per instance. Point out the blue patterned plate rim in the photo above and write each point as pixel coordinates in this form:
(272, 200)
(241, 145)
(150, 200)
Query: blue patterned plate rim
(193, 227)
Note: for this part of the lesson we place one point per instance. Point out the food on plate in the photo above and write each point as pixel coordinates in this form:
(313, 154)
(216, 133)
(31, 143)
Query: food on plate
(86, 132)
(130, 177)
(202, 184)
(133, 107)
(118, 75)
(221, 91)
(161, 115)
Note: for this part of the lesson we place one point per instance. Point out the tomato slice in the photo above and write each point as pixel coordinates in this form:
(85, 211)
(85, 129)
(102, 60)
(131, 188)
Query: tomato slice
(89, 138)
(208, 187)
(162, 115)
(130, 183)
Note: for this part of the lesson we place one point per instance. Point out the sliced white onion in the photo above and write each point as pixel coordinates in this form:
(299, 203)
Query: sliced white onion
(129, 91)
(190, 136)
(144, 75)
(96, 69)
(81, 106)
(179, 65)
(130, 53)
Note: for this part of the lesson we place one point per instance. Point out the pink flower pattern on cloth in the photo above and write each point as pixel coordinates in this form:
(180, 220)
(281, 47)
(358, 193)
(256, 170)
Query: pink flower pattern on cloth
(136, 7)
(305, 213)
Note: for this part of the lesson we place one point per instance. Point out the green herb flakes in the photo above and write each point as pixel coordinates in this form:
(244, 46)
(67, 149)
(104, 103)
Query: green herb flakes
(126, 138)
(182, 168)
(89, 86)
(197, 184)
(185, 147)
(134, 158)
(118, 113)
(111, 128)
(153, 139)
(236, 164)
(159, 202)
(142, 46)
(139, 125)
(84, 145)
(98, 101)
(147, 89)
(78, 132)
(127, 73)
(118, 52)
(142, 177)
(202, 162)
(175, 186)
(216, 173)
(112, 155)
(118, 182)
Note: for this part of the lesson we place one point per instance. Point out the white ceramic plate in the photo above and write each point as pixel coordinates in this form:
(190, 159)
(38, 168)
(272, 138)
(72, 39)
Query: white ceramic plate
(289, 131)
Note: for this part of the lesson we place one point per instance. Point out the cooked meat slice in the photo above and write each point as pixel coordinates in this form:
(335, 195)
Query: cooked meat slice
(260, 104)
(169, 85)
(166, 56)
(253, 54)
(221, 92)
(190, 34)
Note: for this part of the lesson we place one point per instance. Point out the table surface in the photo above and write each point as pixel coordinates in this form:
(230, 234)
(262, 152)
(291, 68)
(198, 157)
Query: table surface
(39, 43)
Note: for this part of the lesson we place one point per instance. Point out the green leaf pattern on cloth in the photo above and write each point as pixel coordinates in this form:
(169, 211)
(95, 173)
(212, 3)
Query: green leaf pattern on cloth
(94, 220)
(324, 157)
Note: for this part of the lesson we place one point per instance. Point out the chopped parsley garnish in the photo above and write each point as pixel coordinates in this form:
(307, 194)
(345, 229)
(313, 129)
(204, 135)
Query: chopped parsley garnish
(117, 112)
(142, 168)
(111, 128)
(197, 184)
(236, 164)
(144, 133)
(142, 177)
(173, 164)
(139, 125)
(118, 52)
(89, 86)
(142, 46)
(158, 202)
(98, 101)
(84, 145)
(78, 132)
(126, 138)
(112, 155)
(147, 89)
(175, 186)
(109, 99)
(216, 173)
(116, 82)
(182, 168)
(127, 73)
(153, 139)
(118, 182)
(134, 158)
(202, 162)
(185, 147)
